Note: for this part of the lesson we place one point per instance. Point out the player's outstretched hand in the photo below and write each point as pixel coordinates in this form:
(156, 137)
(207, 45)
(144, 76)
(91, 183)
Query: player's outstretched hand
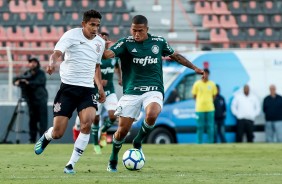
(50, 69)
(199, 71)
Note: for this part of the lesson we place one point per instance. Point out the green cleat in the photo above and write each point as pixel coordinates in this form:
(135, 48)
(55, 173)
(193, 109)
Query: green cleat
(97, 149)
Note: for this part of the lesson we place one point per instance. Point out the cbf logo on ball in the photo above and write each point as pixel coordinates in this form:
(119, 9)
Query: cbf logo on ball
(155, 49)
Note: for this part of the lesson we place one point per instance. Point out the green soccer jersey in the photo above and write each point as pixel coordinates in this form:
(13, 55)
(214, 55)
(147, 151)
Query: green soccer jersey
(107, 71)
(141, 63)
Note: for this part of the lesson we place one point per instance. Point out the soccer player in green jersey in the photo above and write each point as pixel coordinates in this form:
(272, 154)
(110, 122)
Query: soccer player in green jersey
(108, 68)
(142, 78)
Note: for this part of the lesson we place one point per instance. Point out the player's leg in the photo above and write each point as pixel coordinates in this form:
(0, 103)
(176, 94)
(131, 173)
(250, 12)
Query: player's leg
(86, 117)
(129, 107)
(110, 105)
(210, 126)
(200, 126)
(76, 128)
(152, 103)
(95, 133)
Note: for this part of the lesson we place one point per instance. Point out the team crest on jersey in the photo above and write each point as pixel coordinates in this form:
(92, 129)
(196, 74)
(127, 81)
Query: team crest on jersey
(98, 47)
(57, 107)
(155, 49)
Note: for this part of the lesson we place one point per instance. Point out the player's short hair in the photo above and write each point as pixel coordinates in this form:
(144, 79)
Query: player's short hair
(140, 19)
(105, 34)
(91, 14)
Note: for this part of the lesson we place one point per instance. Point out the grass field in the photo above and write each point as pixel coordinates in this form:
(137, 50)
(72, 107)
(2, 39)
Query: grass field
(220, 163)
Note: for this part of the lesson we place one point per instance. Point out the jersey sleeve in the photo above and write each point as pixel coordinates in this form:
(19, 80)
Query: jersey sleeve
(99, 61)
(64, 42)
(167, 49)
(119, 47)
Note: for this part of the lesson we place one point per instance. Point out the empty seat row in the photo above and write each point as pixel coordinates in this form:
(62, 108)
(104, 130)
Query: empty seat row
(59, 19)
(243, 20)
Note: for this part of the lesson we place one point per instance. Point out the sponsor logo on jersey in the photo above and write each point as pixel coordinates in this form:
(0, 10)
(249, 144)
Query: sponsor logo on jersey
(118, 45)
(155, 49)
(146, 88)
(98, 47)
(134, 50)
(107, 70)
(158, 39)
(57, 107)
(145, 61)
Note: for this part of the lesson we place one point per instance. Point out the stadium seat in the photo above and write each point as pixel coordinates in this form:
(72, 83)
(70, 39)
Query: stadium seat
(203, 7)
(58, 19)
(236, 7)
(51, 5)
(253, 7)
(41, 19)
(235, 34)
(119, 6)
(276, 21)
(270, 34)
(3, 35)
(125, 20)
(84, 5)
(73, 19)
(8, 19)
(69, 6)
(15, 34)
(270, 7)
(104, 7)
(49, 34)
(261, 21)
(115, 33)
(218, 35)
(111, 19)
(210, 21)
(4, 6)
(34, 6)
(219, 7)
(227, 21)
(244, 20)
(17, 6)
(32, 34)
(253, 35)
(25, 19)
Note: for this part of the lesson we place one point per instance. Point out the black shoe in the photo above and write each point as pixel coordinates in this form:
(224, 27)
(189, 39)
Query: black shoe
(69, 169)
(112, 166)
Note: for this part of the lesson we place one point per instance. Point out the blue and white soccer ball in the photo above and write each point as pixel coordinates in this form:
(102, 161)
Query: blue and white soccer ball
(133, 159)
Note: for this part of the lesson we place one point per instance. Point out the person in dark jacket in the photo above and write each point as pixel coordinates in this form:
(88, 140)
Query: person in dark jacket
(32, 83)
(219, 116)
(272, 108)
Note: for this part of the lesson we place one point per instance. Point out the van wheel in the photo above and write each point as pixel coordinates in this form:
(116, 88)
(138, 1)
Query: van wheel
(160, 136)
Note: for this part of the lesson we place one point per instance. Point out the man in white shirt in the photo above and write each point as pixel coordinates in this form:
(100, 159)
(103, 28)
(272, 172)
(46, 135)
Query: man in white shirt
(83, 50)
(245, 107)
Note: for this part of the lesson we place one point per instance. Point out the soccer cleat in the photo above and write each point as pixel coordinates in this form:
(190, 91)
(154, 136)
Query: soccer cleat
(112, 166)
(103, 139)
(97, 149)
(137, 145)
(41, 145)
(69, 169)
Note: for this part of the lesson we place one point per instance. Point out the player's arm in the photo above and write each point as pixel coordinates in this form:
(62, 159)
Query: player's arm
(185, 62)
(52, 62)
(118, 72)
(108, 54)
(98, 82)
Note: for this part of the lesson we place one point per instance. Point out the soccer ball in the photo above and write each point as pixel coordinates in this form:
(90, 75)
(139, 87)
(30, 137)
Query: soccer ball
(133, 159)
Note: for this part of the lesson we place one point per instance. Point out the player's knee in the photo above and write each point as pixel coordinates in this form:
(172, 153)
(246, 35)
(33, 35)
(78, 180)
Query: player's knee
(151, 118)
(121, 133)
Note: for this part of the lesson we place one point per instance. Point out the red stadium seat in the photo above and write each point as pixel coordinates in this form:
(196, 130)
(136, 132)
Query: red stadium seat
(51, 5)
(210, 21)
(3, 35)
(103, 6)
(235, 34)
(34, 6)
(203, 7)
(125, 20)
(85, 5)
(111, 19)
(218, 35)
(49, 34)
(119, 6)
(219, 7)
(253, 35)
(69, 6)
(32, 33)
(17, 6)
(228, 21)
(15, 34)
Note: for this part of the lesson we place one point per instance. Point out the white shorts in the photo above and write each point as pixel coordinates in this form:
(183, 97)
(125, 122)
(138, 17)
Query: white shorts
(131, 105)
(110, 103)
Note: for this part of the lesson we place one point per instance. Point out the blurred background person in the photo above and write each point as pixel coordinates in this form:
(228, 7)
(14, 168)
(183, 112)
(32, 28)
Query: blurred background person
(33, 85)
(245, 106)
(219, 116)
(272, 108)
(204, 92)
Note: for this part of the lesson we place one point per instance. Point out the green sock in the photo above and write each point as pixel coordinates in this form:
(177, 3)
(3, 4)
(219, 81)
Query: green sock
(143, 132)
(95, 131)
(106, 125)
(116, 147)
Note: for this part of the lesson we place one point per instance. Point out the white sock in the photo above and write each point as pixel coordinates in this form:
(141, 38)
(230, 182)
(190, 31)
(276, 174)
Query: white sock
(48, 134)
(79, 147)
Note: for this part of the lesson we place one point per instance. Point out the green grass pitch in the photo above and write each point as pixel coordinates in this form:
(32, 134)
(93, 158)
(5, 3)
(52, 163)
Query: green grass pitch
(189, 163)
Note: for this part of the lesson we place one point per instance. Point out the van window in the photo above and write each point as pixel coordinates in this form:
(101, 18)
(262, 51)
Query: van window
(183, 90)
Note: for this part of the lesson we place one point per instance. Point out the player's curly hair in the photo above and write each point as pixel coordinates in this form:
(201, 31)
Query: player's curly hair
(91, 14)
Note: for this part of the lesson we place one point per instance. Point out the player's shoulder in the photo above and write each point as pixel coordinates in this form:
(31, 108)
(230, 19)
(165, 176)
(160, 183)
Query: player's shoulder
(98, 37)
(73, 32)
